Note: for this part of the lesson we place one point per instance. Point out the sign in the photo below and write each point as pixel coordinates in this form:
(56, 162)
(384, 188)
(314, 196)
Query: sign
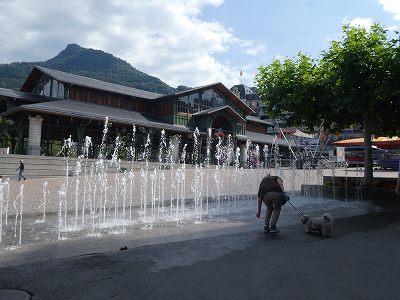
(340, 154)
(4, 150)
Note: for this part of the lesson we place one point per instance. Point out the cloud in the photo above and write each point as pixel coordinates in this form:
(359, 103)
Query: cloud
(392, 28)
(360, 22)
(365, 23)
(392, 6)
(279, 57)
(167, 39)
(251, 48)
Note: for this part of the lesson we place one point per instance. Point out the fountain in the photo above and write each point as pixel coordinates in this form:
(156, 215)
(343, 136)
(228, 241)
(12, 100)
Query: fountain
(1, 209)
(43, 204)
(109, 195)
(18, 205)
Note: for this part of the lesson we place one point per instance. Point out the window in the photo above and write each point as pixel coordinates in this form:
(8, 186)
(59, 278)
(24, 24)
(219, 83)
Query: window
(240, 129)
(49, 87)
(43, 86)
(181, 120)
(61, 91)
(211, 98)
(182, 104)
(193, 103)
(189, 104)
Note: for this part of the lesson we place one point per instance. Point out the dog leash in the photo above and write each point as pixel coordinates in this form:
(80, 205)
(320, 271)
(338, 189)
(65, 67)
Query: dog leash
(296, 209)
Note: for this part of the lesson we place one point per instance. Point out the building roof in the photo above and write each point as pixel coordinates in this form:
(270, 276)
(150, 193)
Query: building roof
(219, 87)
(22, 95)
(258, 120)
(79, 109)
(226, 108)
(256, 137)
(83, 81)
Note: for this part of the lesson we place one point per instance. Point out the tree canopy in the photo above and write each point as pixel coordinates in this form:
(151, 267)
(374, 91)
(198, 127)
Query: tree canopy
(4, 138)
(354, 82)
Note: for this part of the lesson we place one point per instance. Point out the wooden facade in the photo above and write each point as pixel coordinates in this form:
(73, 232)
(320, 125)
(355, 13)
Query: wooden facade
(76, 106)
(255, 127)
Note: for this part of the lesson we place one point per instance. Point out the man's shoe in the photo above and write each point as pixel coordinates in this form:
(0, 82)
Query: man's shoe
(273, 229)
(266, 229)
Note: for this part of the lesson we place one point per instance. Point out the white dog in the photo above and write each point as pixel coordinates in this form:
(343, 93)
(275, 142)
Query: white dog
(320, 224)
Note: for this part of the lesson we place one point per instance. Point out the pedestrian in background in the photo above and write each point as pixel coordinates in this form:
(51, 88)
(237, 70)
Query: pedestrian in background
(21, 169)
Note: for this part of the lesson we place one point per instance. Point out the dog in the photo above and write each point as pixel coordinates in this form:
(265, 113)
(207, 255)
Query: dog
(322, 224)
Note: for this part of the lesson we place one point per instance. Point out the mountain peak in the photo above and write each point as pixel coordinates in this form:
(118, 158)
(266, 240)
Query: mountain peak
(71, 49)
(72, 46)
(91, 63)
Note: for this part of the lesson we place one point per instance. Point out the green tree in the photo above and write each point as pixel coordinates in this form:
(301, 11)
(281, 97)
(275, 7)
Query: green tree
(355, 82)
(4, 137)
(294, 88)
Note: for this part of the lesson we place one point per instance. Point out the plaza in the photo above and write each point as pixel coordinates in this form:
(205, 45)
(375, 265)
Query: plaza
(224, 248)
(224, 260)
(130, 170)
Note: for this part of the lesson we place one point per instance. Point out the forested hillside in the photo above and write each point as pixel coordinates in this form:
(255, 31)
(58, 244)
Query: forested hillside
(90, 63)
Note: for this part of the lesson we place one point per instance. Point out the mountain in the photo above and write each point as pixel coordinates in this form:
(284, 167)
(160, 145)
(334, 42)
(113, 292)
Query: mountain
(86, 62)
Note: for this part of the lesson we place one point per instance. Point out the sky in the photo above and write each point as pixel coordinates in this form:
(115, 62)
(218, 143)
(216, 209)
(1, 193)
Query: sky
(186, 42)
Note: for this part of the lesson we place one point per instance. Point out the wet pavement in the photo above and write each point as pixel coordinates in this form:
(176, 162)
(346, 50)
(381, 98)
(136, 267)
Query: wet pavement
(38, 236)
(226, 257)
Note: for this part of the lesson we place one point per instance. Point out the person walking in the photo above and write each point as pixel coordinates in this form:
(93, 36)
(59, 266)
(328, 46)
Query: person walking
(21, 169)
(271, 192)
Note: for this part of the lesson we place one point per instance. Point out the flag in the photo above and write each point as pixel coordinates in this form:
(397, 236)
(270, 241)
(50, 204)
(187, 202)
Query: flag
(241, 72)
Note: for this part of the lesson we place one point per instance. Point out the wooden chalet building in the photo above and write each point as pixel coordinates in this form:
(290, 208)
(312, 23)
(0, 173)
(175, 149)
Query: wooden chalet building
(53, 105)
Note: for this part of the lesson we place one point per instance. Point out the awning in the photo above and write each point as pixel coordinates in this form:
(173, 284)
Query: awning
(381, 142)
(303, 134)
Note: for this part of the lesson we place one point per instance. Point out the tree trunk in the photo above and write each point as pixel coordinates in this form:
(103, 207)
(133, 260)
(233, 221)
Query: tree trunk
(368, 171)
